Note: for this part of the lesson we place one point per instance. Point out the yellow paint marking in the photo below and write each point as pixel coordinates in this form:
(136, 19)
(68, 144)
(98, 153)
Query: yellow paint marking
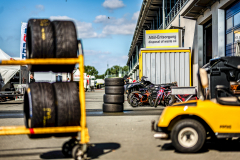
(162, 31)
(43, 34)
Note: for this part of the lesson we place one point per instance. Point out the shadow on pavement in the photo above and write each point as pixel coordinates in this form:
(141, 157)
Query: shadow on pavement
(18, 155)
(21, 149)
(94, 152)
(221, 145)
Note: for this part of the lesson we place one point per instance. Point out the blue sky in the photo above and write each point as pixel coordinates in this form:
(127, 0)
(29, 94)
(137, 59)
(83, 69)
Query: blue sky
(105, 40)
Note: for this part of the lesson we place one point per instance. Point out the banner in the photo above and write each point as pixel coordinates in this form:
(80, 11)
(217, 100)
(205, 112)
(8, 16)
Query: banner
(23, 41)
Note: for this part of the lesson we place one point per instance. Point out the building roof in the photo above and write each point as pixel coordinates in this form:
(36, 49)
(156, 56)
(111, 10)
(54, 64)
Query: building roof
(146, 15)
(197, 8)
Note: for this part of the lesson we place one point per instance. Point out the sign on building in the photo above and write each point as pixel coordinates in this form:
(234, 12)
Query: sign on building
(166, 38)
(23, 41)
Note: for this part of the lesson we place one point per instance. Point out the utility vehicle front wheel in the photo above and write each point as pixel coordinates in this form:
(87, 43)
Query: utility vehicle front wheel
(188, 136)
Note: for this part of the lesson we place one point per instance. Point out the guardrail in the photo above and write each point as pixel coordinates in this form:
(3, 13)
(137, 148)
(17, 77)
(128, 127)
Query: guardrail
(174, 12)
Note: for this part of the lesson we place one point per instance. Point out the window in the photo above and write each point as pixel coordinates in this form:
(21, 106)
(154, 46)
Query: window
(230, 38)
(232, 14)
(229, 23)
(237, 19)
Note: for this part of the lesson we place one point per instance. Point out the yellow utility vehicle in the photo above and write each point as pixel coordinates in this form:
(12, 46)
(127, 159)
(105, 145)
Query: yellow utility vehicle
(189, 124)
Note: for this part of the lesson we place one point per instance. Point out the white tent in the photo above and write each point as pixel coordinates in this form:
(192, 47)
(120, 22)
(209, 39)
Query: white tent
(6, 72)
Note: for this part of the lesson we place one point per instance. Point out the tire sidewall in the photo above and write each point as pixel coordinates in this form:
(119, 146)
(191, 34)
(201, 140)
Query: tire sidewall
(191, 124)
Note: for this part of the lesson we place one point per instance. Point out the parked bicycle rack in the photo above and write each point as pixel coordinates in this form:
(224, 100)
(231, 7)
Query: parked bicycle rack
(81, 149)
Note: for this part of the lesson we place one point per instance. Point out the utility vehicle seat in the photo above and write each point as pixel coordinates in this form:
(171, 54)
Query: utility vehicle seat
(231, 100)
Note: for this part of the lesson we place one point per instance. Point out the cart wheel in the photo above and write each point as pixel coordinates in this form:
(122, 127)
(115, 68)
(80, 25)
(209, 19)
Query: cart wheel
(188, 136)
(68, 147)
(78, 154)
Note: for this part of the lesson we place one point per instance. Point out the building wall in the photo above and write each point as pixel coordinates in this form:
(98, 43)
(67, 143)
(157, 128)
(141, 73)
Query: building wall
(193, 36)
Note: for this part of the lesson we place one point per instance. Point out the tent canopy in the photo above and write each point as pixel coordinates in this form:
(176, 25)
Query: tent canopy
(6, 72)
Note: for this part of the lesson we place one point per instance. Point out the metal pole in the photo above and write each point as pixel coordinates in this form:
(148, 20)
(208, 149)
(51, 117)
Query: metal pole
(163, 11)
(159, 17)
(132, 62)
(153, 24)
(170, 5)
(20, 77)
(143, 38)
(137, 52)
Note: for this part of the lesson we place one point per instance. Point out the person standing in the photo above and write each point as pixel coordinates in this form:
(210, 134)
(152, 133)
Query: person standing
(32, 80)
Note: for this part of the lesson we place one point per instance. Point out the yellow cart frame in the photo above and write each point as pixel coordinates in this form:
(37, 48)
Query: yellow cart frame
(17, 130)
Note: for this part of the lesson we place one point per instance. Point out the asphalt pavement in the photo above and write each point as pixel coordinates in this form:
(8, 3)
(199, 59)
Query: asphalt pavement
(121, 136)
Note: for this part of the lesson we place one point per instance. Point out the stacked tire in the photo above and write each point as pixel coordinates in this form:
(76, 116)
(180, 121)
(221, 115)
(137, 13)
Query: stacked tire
(56, 104)
(46, 39)
(114, 95)
(52, 105)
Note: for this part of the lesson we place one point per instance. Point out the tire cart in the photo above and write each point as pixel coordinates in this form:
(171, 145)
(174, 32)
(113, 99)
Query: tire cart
(79, 148)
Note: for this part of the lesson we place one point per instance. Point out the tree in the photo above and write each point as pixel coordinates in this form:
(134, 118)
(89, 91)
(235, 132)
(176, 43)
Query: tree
(116, 69)
(100, 76)
(90, 70)
(125, 68)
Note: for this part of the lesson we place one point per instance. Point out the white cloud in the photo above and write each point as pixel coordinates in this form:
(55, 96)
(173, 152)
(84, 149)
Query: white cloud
(111, 26)
(135, 16)
(116, 26)
(119, 29)
(100, 61)
(109, 20)
(84, 29)
(40, 7)
(113, 4)
(101, 19)
(93, 52)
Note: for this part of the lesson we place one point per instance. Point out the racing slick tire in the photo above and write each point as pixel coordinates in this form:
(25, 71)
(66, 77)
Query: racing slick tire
(67, 104)
(115, 90)
(65, 43)
(114, 81)
(112, 107)
(39, 42)
(113, 99)
(39, 105)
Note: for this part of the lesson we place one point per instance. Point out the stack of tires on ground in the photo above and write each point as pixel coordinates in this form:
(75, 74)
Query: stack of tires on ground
(114, 95)
(51, 104)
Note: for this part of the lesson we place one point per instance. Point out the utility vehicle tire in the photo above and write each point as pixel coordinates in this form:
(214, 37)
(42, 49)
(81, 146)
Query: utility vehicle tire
(112, 107)
(39, 106)
(65, 43)
(113, 99)
(114, 81)
(188, 136)
(67, 102)
(39, 42)
(116, 90)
